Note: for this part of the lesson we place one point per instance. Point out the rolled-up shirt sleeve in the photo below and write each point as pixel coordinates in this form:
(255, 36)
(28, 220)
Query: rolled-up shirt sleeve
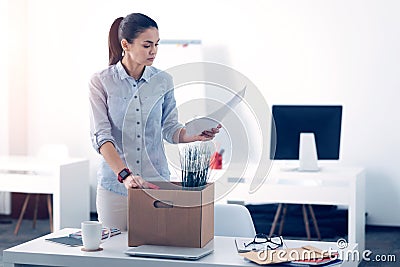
(170, 121)
(100, 127)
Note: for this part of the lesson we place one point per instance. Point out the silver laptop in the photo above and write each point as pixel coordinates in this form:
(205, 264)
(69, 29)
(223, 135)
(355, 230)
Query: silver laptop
(170, 252)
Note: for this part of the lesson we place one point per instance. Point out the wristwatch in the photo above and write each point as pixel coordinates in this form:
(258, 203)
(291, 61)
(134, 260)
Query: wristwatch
(123, 174)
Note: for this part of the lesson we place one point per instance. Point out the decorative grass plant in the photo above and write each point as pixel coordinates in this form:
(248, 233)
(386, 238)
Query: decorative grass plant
(195, 163)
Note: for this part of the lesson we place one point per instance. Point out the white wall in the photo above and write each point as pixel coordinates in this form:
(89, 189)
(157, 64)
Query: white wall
(5, 197)
(3, 80)
(18, 81)
(336, 51)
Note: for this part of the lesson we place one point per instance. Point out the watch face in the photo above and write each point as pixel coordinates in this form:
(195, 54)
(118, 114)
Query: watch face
(124, 174)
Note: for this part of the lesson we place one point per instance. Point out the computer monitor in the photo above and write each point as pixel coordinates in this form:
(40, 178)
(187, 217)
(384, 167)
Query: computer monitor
(295, 127)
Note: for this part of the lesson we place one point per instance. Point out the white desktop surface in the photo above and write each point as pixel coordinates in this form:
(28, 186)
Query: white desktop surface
(64, 179)
(44, 253)
(332, 185)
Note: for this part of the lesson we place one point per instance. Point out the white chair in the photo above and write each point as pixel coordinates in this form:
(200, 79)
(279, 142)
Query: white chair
(233, 220)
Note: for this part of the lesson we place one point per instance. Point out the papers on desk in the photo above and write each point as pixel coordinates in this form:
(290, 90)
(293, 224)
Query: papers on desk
(241, 245)
(75, 239)
(303, 256)
(314, 262)
(66, 241)
(114, 231)
(198, 125)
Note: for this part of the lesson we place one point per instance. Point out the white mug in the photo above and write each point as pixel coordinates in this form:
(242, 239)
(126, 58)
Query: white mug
(92, 234)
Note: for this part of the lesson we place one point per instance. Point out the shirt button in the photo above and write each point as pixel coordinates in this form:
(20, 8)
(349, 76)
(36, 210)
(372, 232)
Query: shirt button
(138, 136)
(134, 85)
(138, 149)
(137, 162)
(137, 122)
(135, 96)
(137, 109)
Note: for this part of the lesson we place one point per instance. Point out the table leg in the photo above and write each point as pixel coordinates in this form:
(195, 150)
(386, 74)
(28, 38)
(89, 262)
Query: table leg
(282, 219)
(314, 221)
(35, 211)
(278, 212)
(50, 210)
(306, 223)
(21, 215)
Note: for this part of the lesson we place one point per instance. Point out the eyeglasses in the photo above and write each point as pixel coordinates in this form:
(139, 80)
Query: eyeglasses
(265, 242)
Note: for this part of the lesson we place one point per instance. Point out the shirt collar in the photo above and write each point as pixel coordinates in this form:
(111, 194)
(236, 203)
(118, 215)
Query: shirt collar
(123, 74)
(147, 73)
(121, 71)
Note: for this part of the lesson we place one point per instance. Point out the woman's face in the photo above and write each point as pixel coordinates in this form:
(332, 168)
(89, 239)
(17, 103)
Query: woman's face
(143, 49)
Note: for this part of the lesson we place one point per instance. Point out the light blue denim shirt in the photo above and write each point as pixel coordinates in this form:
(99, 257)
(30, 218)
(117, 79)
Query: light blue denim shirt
(135, 116)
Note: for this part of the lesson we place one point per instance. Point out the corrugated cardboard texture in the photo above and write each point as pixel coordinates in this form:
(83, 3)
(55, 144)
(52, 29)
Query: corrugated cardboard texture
(171, 216)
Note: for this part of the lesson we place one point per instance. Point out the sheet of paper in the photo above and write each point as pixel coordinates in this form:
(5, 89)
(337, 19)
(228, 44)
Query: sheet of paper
(198, 125)
(306, 253)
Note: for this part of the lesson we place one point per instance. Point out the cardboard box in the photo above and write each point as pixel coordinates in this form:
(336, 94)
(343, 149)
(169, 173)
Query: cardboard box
(171, 215)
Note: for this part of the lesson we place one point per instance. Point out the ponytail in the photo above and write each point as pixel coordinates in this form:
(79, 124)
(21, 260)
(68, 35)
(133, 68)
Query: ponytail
(114, 44)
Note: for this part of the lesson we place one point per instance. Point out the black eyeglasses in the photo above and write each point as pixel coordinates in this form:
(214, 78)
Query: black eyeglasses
(267, 242)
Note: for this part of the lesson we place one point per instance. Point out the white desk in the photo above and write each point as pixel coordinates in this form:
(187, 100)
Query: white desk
(39, 252)
(330, 186)
(67, 181)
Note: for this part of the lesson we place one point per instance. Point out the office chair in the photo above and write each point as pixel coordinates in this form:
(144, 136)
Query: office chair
(233, 220)
(48, 151)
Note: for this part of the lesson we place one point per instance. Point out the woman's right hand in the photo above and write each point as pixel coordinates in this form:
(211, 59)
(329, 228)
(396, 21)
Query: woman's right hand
(133, 181)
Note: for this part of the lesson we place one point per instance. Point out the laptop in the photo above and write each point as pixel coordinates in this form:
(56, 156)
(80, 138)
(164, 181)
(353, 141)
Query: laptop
(170, 252)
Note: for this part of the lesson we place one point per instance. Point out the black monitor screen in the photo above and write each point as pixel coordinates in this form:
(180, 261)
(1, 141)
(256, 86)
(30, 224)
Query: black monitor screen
(291, 120)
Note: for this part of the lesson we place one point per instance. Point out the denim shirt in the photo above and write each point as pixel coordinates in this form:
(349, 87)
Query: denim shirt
(135, 116)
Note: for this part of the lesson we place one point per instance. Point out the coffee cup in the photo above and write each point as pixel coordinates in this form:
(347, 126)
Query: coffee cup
(92, 235)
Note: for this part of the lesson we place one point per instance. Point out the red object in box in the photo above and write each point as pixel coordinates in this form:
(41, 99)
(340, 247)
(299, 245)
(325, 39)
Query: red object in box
(216, 161)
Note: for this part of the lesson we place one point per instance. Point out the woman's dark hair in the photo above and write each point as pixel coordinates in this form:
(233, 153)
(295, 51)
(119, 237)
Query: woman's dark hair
(126, 28)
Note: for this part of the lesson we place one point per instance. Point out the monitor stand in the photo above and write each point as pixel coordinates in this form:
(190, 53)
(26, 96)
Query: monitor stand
(308, 157)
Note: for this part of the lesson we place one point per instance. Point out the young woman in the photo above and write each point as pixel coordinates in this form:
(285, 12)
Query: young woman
(132, 101)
